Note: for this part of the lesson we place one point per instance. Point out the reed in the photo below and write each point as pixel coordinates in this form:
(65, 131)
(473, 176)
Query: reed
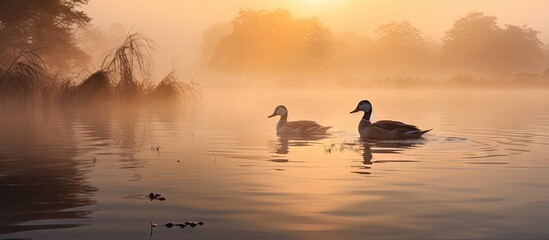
(131, 60)
(123, 78)
(22, 79)
(66, 91)
(170, 91)
(95, 88)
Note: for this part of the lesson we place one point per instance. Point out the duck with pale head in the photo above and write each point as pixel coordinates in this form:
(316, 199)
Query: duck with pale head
(303, 127)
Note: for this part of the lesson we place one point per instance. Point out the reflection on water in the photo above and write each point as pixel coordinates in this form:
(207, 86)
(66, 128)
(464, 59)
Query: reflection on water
(367, 149)
(285, 141)
(86, 174)
(42, 181)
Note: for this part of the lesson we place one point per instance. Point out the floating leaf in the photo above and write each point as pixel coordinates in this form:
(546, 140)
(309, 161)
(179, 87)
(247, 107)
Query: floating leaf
(152, 196)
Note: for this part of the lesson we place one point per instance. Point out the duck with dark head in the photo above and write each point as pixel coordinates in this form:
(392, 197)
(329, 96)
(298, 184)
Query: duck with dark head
(384, 129)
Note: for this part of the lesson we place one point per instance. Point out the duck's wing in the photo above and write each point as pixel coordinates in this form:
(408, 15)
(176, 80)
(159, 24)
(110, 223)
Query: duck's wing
(306, 127)
(390, 125)
(304, 124)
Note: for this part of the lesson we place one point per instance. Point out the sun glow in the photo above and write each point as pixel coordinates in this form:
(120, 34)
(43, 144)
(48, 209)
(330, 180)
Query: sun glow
(315, 1)
(315, 7)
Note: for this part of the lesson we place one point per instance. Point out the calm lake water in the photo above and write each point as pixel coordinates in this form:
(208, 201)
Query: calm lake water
(483, 172)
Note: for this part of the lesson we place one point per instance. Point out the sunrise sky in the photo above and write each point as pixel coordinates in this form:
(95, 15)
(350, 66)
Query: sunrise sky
(177, 26)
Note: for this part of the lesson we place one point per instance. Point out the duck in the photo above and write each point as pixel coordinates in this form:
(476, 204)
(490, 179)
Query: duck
(303, 127)
(384, 129)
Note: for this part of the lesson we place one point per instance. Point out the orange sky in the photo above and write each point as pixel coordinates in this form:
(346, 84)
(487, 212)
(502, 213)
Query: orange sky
(177, 26)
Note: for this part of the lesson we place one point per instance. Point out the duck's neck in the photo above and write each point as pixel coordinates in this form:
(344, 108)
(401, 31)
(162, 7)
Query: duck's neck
(364, 123)
(283, 120)
(367, 116)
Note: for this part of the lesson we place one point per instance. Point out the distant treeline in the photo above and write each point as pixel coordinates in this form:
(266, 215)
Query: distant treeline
(275, 42)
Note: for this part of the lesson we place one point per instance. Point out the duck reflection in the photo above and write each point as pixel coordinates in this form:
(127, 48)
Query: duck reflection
(285, 141)
(395, 148)
(366, 154)
(368, 149)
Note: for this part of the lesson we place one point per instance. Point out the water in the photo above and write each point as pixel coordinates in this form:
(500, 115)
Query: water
(481, 173)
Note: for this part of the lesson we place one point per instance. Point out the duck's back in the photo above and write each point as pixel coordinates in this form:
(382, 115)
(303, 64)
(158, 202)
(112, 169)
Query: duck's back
(388, 129)
(390, 125)
(302, 127)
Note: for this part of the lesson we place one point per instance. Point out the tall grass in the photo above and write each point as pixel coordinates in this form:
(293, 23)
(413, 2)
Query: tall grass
(95, 88)
(22, 78)
(123, 78)
(131, 60)
(66, 91)
(171, 92)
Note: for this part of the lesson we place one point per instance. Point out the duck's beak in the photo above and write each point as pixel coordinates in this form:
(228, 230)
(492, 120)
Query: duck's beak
(356, 110)
(272, 115)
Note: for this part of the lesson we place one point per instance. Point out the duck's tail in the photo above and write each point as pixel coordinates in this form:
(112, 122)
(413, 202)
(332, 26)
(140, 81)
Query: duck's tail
(317, 130)
(324, 129)
(415, 133)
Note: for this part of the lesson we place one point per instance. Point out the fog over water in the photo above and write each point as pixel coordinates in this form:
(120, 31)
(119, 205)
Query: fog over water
(479, 172)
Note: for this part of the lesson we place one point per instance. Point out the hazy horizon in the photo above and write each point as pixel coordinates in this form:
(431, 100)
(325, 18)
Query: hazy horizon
(177, 27)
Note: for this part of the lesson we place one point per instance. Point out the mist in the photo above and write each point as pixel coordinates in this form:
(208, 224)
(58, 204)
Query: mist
(188, 35)
(322, 44)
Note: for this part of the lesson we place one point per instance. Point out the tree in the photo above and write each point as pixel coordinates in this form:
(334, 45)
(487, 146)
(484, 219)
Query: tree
(211, 38)
(400, 35)
(399, 44)
(45, 26)
(476, 41)
(263, 41)
(520, 47)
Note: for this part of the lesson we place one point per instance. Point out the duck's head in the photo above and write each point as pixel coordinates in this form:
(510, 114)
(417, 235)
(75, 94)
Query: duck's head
(280, 110)
(364, 106)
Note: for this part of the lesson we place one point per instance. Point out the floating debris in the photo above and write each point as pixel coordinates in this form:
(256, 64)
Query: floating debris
(183, 225)
(156, 149)
(342, 147)
(194, 224)
(94, 159)
(156, 196)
